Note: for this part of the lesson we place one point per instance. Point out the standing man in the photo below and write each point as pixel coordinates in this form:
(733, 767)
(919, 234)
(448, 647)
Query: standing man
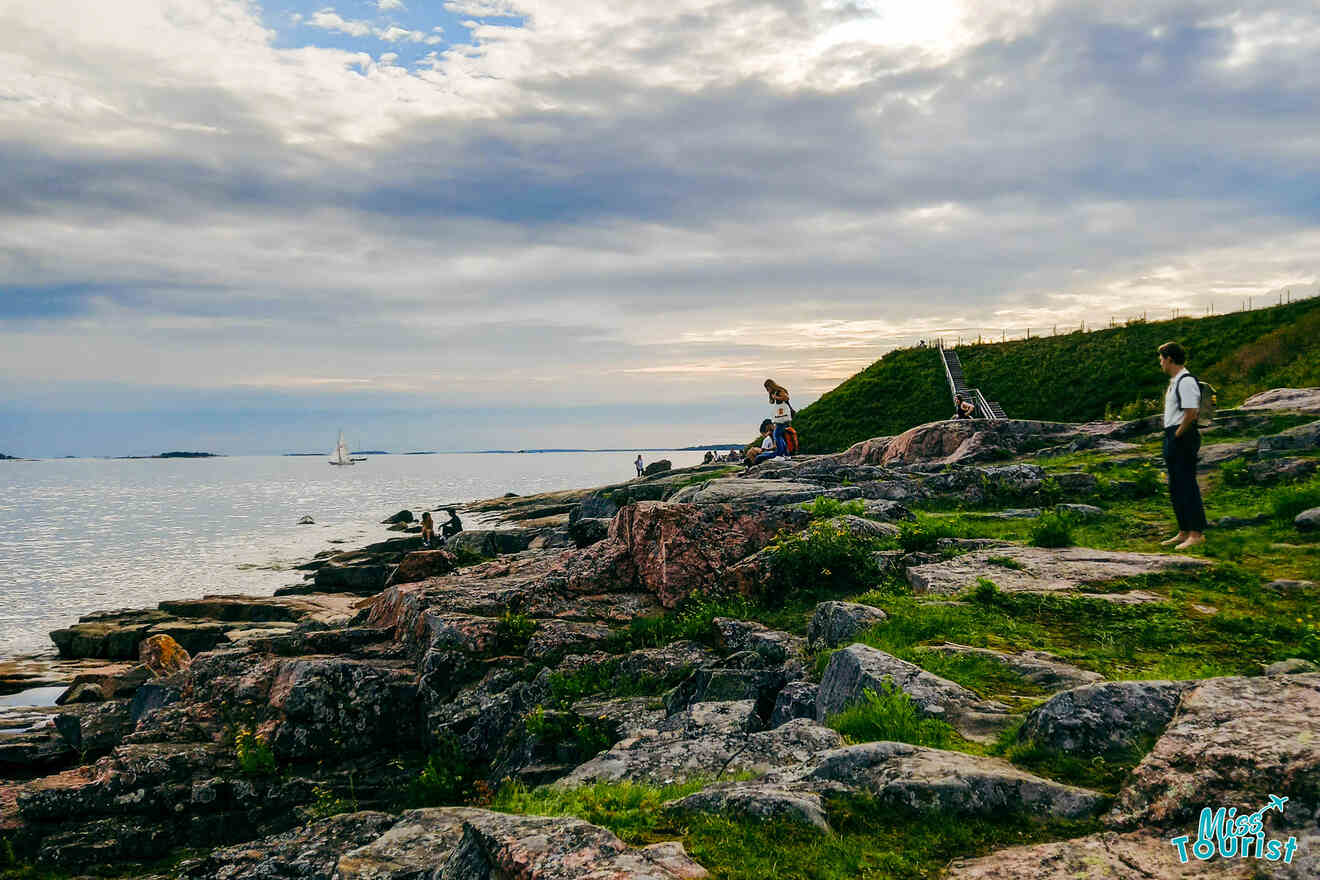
(1182, 442)
(638, 462)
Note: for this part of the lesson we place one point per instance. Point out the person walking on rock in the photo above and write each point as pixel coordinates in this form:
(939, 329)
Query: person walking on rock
(1182, 443)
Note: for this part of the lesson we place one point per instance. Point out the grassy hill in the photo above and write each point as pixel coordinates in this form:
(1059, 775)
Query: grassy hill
(1074, 377)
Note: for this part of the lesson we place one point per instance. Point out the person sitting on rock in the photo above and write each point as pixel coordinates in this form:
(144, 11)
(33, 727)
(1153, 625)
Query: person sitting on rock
(453, 526)
(962, 409)
(767, 449)
(428, 529)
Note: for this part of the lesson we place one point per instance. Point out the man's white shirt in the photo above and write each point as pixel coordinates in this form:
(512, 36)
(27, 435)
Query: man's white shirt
(1182, 394)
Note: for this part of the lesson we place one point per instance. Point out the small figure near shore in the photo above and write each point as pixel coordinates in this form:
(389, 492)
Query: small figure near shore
(428, 529)
(452, 526)
(638, 464)
(1182, 444)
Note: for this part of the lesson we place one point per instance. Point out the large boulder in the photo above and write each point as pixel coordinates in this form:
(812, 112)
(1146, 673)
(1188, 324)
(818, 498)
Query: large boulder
(1288, 399)
(1301, 437)
(403, 516)
(163, 655)
(742, 492)
(1103, 720)
(422, 564)
(949, 442)
(1232, 742)
(673, 550)
(1308, 520)
(859, 668)
(834, 623)
(1104, 856)
(657, 467)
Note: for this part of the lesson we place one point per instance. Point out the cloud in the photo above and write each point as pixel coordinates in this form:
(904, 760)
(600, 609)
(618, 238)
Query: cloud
(329, 20)
(620, 204)
(387, 5)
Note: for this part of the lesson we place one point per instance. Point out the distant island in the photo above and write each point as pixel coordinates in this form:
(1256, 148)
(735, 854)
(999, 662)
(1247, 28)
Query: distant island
(370, 452)
(4, 457)
(422, 453)
(175, 455)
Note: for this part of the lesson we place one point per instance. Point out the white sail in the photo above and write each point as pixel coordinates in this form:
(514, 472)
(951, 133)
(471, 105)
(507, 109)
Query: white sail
(341, 452)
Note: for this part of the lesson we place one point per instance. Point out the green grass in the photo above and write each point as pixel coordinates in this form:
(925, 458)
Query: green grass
(890, 715)
(1104, 773)
(871, 841)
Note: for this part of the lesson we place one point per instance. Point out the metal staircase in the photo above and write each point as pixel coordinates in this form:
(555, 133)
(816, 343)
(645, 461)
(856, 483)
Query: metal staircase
(986, 409)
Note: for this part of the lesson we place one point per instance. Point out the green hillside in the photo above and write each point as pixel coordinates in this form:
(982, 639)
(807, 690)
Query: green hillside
(1074, 377)
(904, 388)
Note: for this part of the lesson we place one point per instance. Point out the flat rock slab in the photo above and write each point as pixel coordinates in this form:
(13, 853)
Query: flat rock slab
(1042, 569)
(1232, 742)
(1287, 399)
(737, 490)
(706, 739)
(1105, 856)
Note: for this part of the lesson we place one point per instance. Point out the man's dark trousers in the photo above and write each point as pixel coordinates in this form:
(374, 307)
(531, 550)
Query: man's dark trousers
(1180, 461)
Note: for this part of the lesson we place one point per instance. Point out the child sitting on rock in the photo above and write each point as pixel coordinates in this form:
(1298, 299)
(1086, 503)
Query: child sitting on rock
(428, 529)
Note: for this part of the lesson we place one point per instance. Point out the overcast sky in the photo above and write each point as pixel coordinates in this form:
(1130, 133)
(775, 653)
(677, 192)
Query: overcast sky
(237, 225)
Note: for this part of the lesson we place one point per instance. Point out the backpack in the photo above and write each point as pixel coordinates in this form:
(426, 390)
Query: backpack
(1205, 414)
(791, 440)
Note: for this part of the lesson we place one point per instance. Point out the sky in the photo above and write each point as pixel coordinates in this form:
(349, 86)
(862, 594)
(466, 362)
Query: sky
(239, 226)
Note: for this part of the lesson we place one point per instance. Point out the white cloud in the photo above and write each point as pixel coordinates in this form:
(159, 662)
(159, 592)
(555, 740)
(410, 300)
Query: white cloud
(485, 8)
(395, 34)
(387, 5)
(329, 20)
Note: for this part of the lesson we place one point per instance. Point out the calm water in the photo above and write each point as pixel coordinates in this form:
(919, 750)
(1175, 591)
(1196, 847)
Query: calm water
(83, 535)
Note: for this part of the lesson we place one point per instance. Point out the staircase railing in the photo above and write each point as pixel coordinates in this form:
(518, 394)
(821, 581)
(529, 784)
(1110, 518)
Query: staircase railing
(988, 409)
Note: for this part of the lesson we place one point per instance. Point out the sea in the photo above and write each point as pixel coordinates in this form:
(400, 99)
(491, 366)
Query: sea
(85, 535)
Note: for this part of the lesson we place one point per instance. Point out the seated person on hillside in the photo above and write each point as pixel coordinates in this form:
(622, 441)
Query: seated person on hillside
(963, 409)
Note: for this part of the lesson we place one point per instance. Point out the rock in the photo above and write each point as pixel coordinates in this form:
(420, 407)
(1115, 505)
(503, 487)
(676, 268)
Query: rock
(773, 646)
(952, 441)
(1076, 483)
(657, 467)
(589, 530)
(150, 697)
(1276, 469)
(1291, 666)
(859, 668)
(758, 802)
(1290, 399)
(673, 661)
(741, 492)
(95, 730)
(1233, 742)
(422, 564)
(163, 655)
(555, 638)
(1104, 719)
(335, 578)
(797, 699)
(673, 550)
(888, 511)
(700, 741)
(1212, 456)
(1037, 667)
(834, 623)
(306, 521)
(935, 780)
(593, 506)
(859, 527)
(1016, 513)
(1308, 520)
(723, 684)
(403, 516)
(1299, 438)
(1080, 511)
(1042, 569)
(112, 636)
(1104, 856)
(1288, 588)
(629, 716)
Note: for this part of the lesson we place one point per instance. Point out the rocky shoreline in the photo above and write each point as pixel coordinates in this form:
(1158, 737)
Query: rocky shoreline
(358, 726)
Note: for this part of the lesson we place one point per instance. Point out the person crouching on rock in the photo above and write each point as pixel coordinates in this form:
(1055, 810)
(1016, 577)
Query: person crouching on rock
(428, 529)
(962, 409)
(781, 414)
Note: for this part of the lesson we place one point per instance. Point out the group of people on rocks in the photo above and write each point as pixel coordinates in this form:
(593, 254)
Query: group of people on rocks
(778, 437)
(448, 529)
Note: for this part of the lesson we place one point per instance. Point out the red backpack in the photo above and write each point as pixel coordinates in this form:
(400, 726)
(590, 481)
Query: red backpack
(791, 440)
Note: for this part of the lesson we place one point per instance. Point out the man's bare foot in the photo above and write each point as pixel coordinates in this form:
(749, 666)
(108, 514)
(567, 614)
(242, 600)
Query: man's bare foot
(1176, 539)
(1191, 542)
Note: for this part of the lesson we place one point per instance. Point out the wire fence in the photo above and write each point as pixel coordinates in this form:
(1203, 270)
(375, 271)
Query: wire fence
(952, 337)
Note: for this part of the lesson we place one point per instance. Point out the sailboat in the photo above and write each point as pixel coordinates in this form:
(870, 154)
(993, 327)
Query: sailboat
(341, 453)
